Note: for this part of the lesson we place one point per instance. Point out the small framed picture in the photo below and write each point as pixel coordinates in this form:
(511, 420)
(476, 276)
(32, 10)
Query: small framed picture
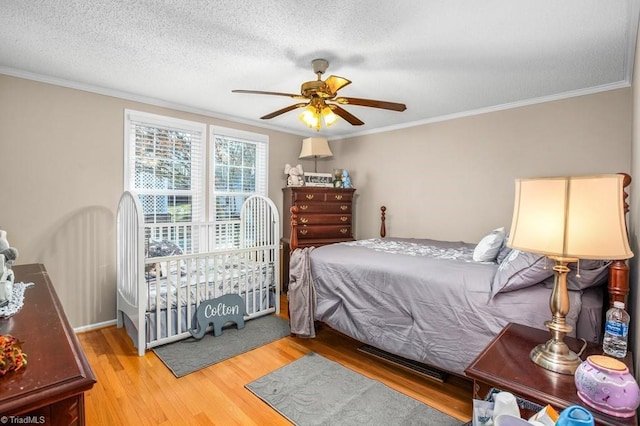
(318, 179)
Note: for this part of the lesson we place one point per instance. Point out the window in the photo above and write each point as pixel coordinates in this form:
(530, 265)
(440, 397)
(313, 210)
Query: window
(165, 163)
(239, 168)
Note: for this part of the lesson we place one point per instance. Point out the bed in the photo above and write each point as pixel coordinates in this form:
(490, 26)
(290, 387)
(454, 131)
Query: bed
(430, 301)
(165, 270)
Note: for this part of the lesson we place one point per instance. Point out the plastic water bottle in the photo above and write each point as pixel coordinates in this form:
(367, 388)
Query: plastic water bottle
(615, 331)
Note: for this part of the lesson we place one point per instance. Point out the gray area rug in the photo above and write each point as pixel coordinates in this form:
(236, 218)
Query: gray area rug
(189, 355)
(314, 390)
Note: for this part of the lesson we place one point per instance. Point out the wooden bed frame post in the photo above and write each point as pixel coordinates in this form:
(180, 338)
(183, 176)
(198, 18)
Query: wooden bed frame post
(618, 282)
(383, 228)
(619, 270)
(293, 242)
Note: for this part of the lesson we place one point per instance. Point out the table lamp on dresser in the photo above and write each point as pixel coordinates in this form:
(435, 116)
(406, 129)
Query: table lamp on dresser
(315, 148)
(568, 219)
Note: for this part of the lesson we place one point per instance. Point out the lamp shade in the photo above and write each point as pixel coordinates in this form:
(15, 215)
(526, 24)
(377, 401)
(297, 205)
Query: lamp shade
(571, 217)
(315, 148)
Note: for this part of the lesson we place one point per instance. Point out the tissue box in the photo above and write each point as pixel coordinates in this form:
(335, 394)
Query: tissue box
(482, 413)
(547, 416)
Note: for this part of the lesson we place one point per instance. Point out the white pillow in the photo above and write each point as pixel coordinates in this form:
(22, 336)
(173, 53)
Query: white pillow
(489, 246)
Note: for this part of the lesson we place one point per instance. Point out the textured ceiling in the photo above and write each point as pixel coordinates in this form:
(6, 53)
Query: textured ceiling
(442, 58)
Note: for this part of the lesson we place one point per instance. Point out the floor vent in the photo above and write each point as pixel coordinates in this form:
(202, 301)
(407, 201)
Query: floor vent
(408, 364)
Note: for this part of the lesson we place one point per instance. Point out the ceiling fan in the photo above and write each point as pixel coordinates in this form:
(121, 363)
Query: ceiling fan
(321, 100)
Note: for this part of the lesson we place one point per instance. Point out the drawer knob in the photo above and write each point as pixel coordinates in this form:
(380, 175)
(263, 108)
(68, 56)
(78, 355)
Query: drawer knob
(304, 207)
(304, 220)
(310, 196)
(343, 207)
(338, 196)
(344, 218)
(344, 230)
(303, 231)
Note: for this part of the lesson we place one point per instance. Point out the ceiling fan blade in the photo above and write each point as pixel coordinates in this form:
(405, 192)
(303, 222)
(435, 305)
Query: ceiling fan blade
(371, 103)
(352, 119)
(283, 110)
(260, 92)
(335, 83)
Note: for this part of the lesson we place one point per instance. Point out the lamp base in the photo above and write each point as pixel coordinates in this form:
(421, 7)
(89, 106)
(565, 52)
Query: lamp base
(555, 356)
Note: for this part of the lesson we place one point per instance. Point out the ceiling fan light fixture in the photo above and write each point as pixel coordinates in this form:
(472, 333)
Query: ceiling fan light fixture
(310, 117)
(329, 117)
(314, 115)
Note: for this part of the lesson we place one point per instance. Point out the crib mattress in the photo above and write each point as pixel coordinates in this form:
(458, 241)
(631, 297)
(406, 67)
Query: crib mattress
(183, 286)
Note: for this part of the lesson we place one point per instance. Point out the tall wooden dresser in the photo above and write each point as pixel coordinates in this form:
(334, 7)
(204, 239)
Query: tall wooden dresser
(325, 216)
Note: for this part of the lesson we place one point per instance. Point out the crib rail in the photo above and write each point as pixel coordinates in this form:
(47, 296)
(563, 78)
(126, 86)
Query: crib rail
(176, 285)
(194, 237)
(258, 226)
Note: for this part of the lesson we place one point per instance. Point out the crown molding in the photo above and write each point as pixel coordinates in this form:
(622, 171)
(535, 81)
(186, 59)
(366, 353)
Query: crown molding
(345, 135)
(136, 98)
(486, 110)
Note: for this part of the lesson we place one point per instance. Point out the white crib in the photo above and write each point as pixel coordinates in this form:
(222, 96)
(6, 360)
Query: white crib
(164, 270)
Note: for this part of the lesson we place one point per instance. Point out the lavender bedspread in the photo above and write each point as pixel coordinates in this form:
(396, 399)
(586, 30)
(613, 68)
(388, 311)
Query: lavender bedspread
(425, 300)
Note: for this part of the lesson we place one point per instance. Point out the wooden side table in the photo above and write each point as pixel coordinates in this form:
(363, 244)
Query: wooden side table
(505, 365)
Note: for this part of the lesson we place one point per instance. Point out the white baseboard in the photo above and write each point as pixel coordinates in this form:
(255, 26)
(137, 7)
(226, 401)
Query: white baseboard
(94, 326)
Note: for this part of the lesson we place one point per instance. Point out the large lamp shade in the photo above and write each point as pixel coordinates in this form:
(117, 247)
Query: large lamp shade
(571, 217)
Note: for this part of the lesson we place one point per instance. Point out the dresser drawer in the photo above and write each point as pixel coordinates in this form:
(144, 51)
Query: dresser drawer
(324, 231)
(324, 219)
(338, 197)
(313, 207)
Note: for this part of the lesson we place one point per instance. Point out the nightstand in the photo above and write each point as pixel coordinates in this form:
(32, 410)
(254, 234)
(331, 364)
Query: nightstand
(505, 365)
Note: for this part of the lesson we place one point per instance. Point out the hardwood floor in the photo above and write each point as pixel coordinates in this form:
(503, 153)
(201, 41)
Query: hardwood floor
(134, 390)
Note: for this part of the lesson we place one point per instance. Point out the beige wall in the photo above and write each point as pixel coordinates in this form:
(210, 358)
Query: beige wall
(634, 218)
(62, 169)
(454, 180)
(448, 180)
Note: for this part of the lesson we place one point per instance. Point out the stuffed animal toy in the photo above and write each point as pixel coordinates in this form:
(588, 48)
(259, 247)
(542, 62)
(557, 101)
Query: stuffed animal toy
(346, 179)
(296, 175)
(10, 253)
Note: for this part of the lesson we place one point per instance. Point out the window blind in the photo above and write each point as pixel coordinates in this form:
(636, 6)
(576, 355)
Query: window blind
(239, 163)
(164, 164)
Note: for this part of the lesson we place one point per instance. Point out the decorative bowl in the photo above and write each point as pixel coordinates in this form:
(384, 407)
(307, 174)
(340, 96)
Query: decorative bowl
(605, 383)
